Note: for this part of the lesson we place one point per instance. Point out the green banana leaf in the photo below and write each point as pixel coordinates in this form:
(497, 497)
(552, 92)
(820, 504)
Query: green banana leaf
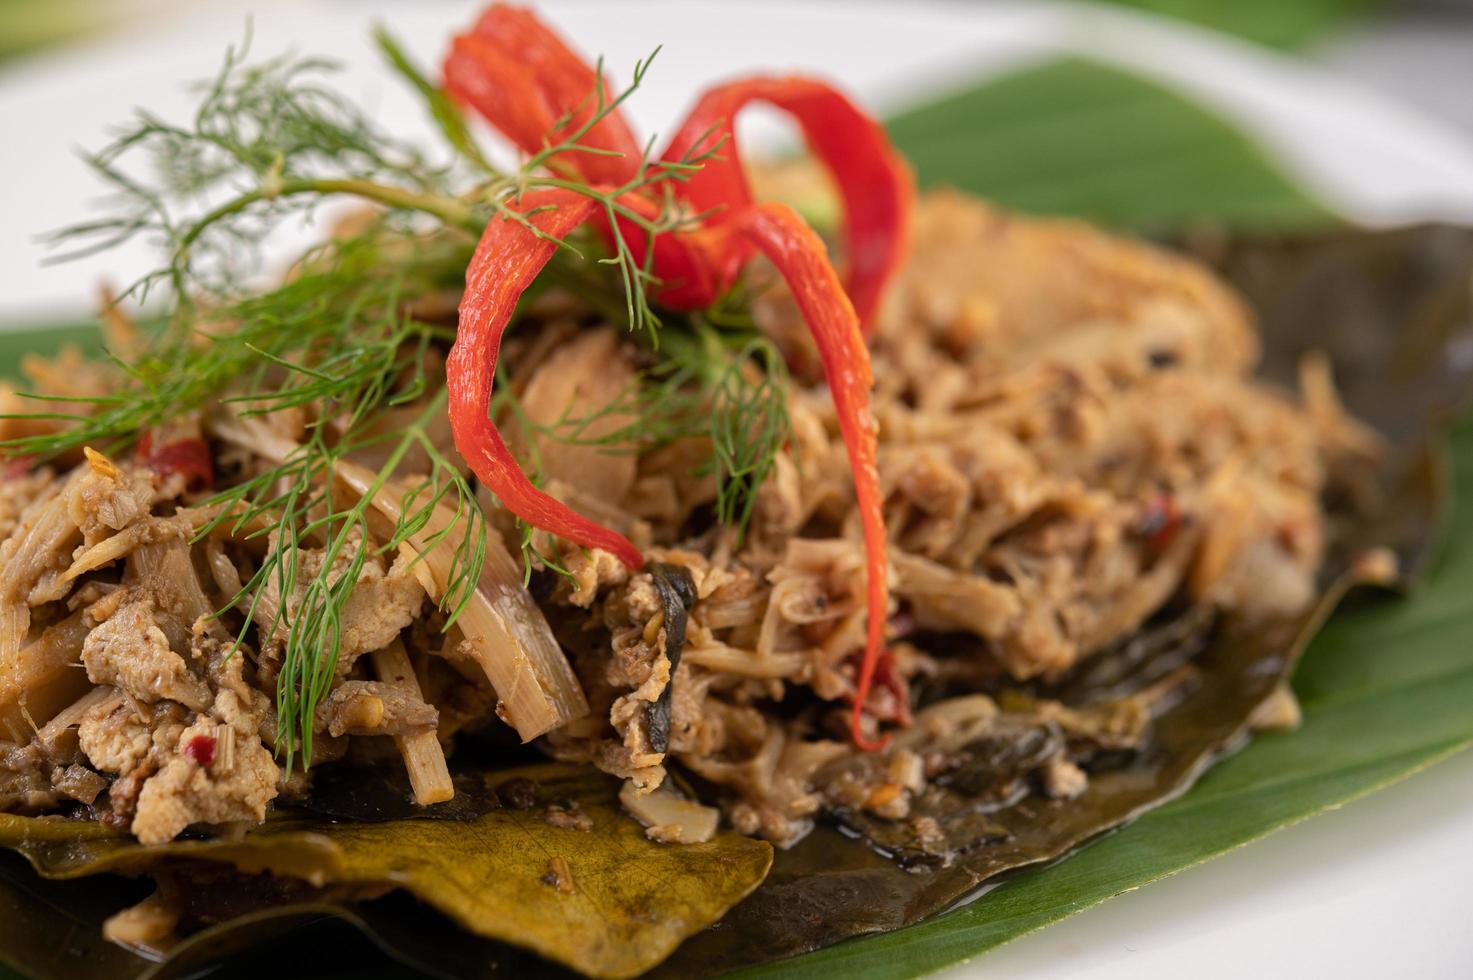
(1280, 23)
(1078, 138)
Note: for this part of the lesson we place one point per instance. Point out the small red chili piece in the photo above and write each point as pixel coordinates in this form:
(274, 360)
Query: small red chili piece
(1160, 521)
(200, 748)
(17, 467)
(190, 457)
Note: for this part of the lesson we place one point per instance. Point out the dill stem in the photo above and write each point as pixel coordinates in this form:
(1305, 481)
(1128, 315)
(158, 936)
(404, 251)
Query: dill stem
(447, 209)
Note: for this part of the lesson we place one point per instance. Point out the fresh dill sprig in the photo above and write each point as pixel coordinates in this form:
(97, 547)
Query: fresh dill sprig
(334, 335)
(272, 139)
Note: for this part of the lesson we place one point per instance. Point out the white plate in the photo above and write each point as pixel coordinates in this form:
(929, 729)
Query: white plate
(1380, 889)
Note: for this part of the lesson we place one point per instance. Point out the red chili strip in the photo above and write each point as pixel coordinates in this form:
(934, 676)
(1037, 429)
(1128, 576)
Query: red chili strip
(525, 81)
(508, 258)
(877, 187)
(795, 249)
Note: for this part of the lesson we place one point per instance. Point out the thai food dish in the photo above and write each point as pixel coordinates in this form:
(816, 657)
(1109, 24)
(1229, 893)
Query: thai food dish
(914, 526)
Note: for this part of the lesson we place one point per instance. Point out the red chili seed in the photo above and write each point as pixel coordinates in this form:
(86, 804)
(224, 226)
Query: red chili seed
(201, 748)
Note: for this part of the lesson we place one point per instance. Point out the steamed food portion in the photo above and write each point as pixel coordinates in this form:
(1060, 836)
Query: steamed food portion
(1070, 440)
(952, 540)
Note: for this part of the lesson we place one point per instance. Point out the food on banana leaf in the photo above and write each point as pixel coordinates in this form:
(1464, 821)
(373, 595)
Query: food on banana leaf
(916, 575)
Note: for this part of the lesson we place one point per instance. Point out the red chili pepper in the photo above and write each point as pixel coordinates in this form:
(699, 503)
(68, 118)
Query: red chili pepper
(526, 82)
(18, 467)
(191, 457)
(1160, 521)
(508, 258)
(874, 182)
(781, 235)
(200, 748)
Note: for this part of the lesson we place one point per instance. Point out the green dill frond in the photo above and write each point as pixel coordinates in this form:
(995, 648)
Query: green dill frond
(726, 386)
(266, 143)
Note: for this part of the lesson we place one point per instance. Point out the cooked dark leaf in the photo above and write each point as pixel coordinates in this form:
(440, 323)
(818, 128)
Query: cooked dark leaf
(607, 902)
(831, 886)
(53, 928)
(1393, 311)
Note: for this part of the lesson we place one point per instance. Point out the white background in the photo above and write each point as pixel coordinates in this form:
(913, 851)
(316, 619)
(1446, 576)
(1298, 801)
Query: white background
(1382, 888)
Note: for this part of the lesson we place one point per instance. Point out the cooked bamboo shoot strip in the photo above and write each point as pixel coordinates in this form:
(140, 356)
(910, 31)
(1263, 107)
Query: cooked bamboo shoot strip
(72, 713)
(42, 678)
(504, 629)
(423, 757)
(47, 530)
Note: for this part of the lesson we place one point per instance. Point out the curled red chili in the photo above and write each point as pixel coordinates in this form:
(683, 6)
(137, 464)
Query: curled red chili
(527, 83)
(874, 182)
(507, 259)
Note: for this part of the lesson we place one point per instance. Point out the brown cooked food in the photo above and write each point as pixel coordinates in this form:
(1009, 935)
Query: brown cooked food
(1071, 440)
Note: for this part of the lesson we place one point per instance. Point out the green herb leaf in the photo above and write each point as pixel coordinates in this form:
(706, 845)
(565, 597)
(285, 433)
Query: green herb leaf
(1073, 137)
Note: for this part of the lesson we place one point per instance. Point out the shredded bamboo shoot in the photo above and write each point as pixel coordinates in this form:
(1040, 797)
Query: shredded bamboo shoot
(504, 629)
(72, 713)
(43, 677)
(423, 757)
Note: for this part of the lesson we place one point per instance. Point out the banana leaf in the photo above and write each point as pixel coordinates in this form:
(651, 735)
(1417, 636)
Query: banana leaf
(1078, 138)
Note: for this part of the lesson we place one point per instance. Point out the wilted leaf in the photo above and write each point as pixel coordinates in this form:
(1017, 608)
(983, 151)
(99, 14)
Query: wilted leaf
(831, 886)
(607, 902)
